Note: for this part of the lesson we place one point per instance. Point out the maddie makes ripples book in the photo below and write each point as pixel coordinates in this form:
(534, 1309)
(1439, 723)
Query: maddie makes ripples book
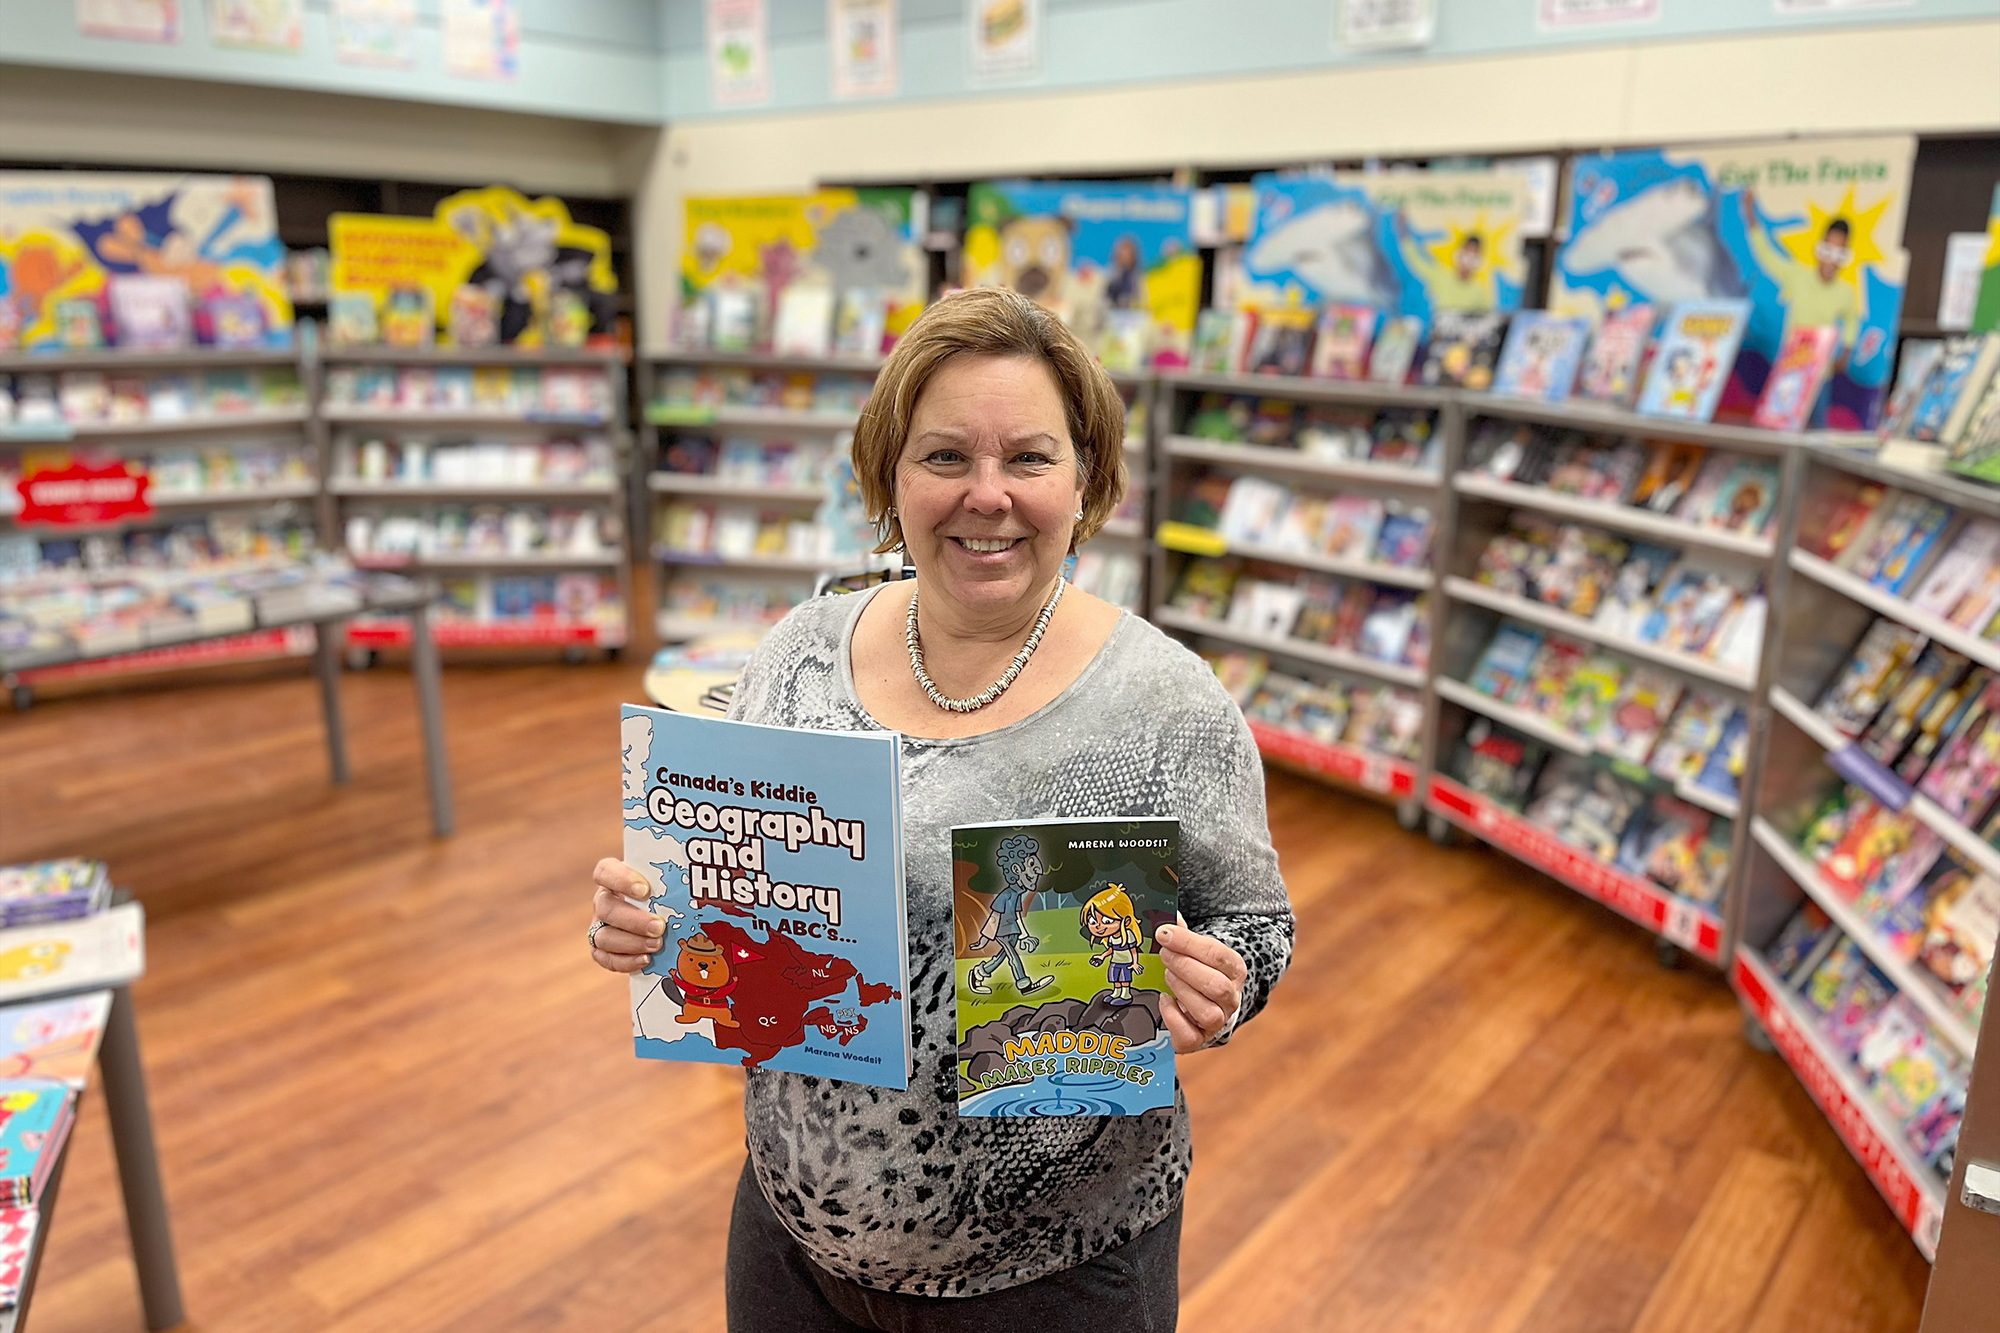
(1059, 978)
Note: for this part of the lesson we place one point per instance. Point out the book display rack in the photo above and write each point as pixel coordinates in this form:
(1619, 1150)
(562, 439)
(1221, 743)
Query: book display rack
(137, 460)
(499, 472)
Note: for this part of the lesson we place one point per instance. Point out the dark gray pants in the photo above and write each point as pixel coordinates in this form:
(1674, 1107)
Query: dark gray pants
(774, 1287)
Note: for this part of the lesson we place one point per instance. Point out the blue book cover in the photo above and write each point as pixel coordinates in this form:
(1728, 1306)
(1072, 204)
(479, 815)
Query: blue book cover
(1941, 390)
(775, 858)
(1542, 356)
(34, 1120)
(1697, 349)
(1060, 980)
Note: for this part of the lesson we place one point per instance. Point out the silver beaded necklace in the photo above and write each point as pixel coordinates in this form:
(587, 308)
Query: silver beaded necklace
(998, 687)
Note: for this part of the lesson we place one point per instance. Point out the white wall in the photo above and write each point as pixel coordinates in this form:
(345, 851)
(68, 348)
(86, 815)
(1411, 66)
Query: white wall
(1923, 77)
(68, 116)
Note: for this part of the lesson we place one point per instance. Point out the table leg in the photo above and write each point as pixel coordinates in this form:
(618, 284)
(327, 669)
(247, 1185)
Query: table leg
(430, 703)
(139, 1165)
(326, 661)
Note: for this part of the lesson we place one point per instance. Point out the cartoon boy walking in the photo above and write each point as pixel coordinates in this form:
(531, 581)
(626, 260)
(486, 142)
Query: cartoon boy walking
(1021, 870)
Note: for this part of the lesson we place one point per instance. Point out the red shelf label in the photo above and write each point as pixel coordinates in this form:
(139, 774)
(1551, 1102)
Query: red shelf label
(1348, 763)
(291, 641)
(1695, 930)
(458, 634)
(1905, 1196)
(79, 493)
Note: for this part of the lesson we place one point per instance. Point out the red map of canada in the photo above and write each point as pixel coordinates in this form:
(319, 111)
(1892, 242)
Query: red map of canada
(777, 986)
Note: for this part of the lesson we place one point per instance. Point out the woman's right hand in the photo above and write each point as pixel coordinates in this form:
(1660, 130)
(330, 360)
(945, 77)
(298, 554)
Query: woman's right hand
(630, 935)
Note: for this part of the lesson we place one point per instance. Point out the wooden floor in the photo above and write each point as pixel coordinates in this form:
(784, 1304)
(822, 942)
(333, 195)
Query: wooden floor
(392, 1094)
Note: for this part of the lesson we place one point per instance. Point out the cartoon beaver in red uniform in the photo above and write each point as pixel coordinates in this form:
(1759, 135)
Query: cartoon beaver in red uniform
(705, 982)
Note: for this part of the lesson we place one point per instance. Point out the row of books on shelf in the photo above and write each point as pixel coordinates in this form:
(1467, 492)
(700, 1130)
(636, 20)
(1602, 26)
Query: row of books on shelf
(149, 312)
(706, 388)
(1586, 803)
(1631, 589)
(1633, 714)
(81, 398)
(1387, 625)
(753, 461)
(1386, 720)
(1330, 432)
(475, 315)
(405, 461)
(98, 615)
(1948, 394)
(173, 473)
(1913, 1075)
(738, 532)
(1261, 512)
(749, 602)
(806, 320)
(575, 598)
(508, 531)
(1667, 362)
(274, 534)
(1911, 546)
(1925, 715)
(1698, 486)
(1924, 902)
(527, 391)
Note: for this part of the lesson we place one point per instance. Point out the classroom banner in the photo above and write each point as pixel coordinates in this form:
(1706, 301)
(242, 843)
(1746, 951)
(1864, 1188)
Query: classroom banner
(490, 256)
(1412, 243)
(65, 234)
(1088, 250)
(844, 239)
(1809, 231)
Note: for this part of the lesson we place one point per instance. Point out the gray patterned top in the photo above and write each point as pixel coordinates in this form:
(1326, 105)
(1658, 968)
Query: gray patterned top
(891, 1189)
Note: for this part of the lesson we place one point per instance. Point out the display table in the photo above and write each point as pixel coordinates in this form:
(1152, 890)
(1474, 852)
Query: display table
(379, 596)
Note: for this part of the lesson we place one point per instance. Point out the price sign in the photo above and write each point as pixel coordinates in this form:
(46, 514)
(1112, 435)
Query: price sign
(82, 493)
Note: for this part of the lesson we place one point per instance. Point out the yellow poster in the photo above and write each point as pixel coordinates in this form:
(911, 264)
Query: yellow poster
(844, 239)
(488, 256)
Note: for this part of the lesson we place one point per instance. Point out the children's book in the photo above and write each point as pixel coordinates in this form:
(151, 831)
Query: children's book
(1692, 735)
(1498, 762)
(1610, 371)
(1502, 670)
(1541, 357)
(1950, 392)
(804, 324)
(53, 1039)
(1639, 714)
(1345, 333)
(1281, 342)
(52, 890)
(35, 1116)
(1792, 390)
(774, 856)
(1060, 979)
(1395, 349)
(1966, 774)
(17, 1242)
(104, 949)
(1920, 356)
(151, 313)
(1964, 564)
(351, 319)
(1697, 348)
(1211, 342)
(1746, 498)
(859, 322)
(1464, 348)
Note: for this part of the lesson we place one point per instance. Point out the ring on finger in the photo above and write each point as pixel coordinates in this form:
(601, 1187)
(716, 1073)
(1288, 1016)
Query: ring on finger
(595, 926)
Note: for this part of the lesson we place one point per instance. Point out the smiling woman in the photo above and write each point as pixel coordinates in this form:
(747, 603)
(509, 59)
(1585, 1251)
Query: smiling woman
(993, 444)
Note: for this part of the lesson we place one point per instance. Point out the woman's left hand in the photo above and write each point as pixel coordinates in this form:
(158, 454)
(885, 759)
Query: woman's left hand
(1206, 977)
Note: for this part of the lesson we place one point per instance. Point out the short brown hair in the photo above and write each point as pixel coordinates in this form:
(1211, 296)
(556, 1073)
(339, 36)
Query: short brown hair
(992, 321)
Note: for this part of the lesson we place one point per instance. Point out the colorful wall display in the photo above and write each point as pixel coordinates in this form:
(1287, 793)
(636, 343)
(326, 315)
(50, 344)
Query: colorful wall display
(1412, 243)
(1810, 232)
(845, 240)
(1986, 308)
(1090, 251)
(65, 235)
(488, 257)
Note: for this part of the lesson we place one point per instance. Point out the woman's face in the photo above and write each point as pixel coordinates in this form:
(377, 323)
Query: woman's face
(988, 484)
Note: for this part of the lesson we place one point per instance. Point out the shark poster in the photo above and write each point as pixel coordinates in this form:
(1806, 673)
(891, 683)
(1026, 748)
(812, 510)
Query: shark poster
(1411, 243)
(1810, 232)
(1089, 252)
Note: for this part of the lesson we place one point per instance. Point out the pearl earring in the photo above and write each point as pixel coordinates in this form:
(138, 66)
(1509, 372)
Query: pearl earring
(1079, 516)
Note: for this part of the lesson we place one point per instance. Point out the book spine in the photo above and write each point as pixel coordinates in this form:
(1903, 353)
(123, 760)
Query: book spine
(36, 912)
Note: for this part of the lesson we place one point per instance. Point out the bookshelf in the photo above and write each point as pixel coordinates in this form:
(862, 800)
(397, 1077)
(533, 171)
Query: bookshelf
(1487, 507)
(498, 471)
